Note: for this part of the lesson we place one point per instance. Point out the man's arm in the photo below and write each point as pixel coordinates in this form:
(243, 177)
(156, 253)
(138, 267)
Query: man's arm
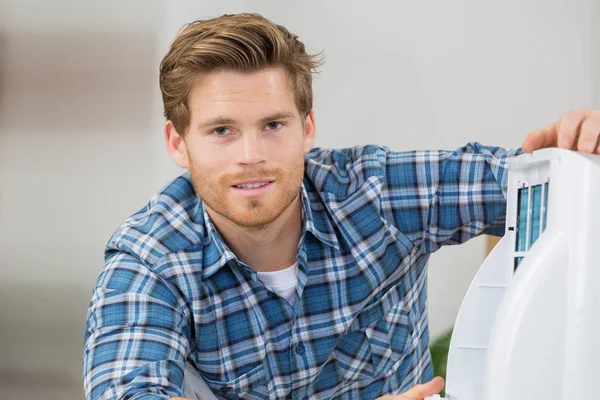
(439, 198)
(137, 335)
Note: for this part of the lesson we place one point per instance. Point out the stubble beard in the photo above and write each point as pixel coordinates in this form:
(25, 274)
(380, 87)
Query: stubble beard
(254, 213)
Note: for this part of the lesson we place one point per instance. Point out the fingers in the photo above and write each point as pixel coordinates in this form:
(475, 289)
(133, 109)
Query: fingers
(419, 392)
(430, 388)
(576, 130)
(589, 133)
(540, 139)
(568, 128)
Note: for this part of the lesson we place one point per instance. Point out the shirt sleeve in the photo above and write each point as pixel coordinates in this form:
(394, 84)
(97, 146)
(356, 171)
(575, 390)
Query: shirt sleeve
(439, 198)
(137, 335)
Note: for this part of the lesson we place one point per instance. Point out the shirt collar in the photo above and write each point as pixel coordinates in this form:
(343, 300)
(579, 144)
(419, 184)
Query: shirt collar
(215, 253)
(316, 218)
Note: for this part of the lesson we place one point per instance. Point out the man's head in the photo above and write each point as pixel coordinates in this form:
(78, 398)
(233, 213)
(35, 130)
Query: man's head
(237, 92)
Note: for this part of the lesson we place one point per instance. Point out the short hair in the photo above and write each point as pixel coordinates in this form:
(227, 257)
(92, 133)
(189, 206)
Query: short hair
(242, 42)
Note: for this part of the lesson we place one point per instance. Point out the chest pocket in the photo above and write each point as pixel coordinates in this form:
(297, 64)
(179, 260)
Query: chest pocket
(249, 385)
(376, 340)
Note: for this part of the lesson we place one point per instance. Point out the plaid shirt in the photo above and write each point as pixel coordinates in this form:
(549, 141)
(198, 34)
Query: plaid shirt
(173, 295)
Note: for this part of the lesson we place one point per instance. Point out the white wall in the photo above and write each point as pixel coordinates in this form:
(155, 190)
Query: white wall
(76, 143)
(80, 123)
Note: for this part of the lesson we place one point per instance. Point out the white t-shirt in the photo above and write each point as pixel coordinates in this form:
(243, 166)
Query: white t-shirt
(282, 282)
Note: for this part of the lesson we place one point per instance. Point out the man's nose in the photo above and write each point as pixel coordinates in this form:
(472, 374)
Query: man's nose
(252, 152)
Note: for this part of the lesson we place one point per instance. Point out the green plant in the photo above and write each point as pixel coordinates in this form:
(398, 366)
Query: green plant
(439, 354)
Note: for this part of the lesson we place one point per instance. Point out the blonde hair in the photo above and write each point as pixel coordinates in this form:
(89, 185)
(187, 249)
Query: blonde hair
(243, 42)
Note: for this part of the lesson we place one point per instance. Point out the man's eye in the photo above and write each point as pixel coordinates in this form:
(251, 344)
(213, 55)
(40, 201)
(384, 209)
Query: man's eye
(273, 125)
(221, 131)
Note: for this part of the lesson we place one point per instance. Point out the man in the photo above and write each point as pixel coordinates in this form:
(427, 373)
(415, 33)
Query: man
(273, 270)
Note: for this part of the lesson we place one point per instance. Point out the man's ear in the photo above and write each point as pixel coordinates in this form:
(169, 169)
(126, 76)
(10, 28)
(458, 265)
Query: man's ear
(310, 131)
(176, 146)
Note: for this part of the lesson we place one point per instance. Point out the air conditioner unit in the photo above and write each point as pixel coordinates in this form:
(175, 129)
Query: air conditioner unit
(529, 325)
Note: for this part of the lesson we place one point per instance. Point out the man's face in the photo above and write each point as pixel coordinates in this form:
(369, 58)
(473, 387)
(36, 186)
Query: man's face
(245, 144)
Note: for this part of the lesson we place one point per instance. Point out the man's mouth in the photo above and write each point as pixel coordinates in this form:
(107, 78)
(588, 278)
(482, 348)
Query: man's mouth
(252, 185)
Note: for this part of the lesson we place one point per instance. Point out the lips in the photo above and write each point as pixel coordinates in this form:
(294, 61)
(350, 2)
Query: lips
(253, 184)
(253, 189)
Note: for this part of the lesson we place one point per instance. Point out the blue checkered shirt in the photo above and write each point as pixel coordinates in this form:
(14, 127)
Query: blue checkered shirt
(173, 295)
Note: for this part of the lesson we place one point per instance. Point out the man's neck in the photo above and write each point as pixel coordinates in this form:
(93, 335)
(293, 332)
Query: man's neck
(270, 248)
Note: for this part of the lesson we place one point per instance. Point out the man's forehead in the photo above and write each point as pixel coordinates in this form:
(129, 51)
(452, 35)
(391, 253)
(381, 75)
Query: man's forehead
(230, 83)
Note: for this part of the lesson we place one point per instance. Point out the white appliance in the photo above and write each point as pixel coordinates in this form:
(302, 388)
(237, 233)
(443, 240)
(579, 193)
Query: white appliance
(529, 325)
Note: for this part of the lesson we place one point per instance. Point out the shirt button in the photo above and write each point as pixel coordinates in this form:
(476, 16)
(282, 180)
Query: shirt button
(300, 349)
(226, 389)
(271, 294)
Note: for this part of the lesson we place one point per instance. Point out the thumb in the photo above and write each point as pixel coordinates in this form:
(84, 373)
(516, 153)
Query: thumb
(419, 392)
(540, 139)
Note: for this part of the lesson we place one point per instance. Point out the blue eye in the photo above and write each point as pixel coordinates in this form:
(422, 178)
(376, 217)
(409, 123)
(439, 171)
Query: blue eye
(221, 131)
(273, 125)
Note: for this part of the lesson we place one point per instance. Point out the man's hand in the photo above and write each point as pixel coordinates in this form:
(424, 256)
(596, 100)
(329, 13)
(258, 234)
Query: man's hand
(419, 392)
(576, 130)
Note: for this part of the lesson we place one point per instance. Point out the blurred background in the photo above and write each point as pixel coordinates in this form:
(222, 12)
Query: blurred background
(81, 128)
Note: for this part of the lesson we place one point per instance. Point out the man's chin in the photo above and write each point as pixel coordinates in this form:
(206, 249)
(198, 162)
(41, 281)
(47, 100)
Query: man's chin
(251, 220)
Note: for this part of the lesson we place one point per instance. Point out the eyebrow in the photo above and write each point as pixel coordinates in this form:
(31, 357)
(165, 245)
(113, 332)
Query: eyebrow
(223, 120)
